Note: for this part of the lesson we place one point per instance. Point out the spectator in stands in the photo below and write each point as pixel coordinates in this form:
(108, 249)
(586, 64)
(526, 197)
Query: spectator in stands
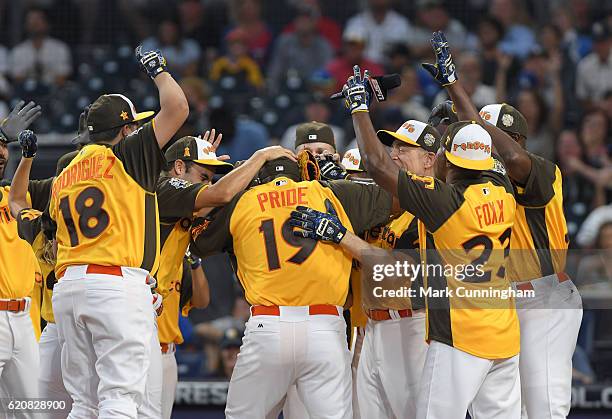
(542, 122)
(594, 72)
(241, 136)
(304, 51)
(494, 63)
(246, 15)
(237, 63)
(407, 97)
(197, 94)
(596, 269)
(381, 26)
(40, 57)
(587, 236)
(317, 109)
(468, 65)
(432, 16)
(203, 23)
(579, 193)
(182, 54)
(230, 347)
(353, 49)
(518, 37)
(213, 332)
(325, 26)
(5, 87)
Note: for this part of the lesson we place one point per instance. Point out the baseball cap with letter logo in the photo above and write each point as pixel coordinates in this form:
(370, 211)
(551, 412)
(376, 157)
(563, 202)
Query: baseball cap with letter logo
(198, 151)
(415, 133)
(468, 145)
(352, 162)
(112, 111)
(505, 117)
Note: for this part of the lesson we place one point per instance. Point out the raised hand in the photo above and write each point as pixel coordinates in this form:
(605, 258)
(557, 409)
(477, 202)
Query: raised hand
(20, 118)
(443, 113)
(28, 143)
(152, 63)
(209, 136)
(357, 92)
(443, 70)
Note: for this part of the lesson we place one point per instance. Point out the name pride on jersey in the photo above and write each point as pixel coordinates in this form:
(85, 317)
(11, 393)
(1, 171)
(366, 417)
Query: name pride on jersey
(92, 168)
(287, 198)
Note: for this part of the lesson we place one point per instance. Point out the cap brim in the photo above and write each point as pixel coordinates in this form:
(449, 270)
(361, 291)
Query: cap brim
(220, 167)
(486, 164)
(143, 115)
(388, 137)
(354, 170)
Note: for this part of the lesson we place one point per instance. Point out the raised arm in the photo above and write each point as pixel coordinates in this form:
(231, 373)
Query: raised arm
(238, 179)
(174, 108)
(516, 159)
(21, 180)
(377, 160)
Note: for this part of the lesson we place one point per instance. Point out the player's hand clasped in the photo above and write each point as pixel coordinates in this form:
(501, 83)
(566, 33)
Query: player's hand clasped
(443, 70)
(151, 62)
(317, 225)
(28, 143)
(357, 92)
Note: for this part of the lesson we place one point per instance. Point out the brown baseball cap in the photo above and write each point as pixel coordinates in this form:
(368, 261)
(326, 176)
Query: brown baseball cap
(505, 117)
(112, 111)
(314, 132)
(198, 151)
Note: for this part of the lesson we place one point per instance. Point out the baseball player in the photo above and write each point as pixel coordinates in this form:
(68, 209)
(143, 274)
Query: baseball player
(352, 163)
(472, 358)
(297, 289)
(34, 227)
(105, 207)
(549, 322)
(318, 139)
(185, 189)
(18, 347)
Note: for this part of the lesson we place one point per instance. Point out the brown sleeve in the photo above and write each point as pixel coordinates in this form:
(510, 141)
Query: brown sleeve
(176, 198)
(40, 191)
(29, 224)
(211, 234)
(428, 198)
(539, 189)
(141, 156)
(366, 205)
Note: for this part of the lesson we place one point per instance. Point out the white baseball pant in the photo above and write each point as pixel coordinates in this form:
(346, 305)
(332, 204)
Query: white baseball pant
(390, 368)
(18, 358)
(294, 347)
(50, 383)
(549, 329)
(151, 406)
(170, 379)
(454, 382)
(105, 323)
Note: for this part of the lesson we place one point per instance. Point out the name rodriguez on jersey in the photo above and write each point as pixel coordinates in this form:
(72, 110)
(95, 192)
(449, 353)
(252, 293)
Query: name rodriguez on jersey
(459, 292)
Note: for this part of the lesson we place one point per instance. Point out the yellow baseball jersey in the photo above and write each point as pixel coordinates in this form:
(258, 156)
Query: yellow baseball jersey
(17, 260)
(176, 198)
(105, 206)
(29, 223)
(471, 225)
(539, 236)
(273, 265)
(36, 303)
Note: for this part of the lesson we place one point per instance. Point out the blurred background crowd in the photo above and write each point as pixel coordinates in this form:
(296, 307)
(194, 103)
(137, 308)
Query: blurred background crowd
(255, 68)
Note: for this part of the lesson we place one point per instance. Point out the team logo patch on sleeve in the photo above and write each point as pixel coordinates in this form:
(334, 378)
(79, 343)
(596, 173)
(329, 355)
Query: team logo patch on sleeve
(179, 183)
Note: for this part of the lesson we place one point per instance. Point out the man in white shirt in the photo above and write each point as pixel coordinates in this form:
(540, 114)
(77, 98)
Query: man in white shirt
(594, 72)
(381, 27)
(40, 57)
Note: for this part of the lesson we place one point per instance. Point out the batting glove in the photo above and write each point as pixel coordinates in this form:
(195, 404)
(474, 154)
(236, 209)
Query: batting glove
(28, 143)
(357, 92)
(158, 304)
(194, 261)
(443, 113)
(330, 169)
(444, 69)
(151, 62)
(20, 118)
(316, 225)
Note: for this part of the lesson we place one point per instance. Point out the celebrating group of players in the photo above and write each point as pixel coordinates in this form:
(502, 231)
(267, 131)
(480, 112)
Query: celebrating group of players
(114, 232)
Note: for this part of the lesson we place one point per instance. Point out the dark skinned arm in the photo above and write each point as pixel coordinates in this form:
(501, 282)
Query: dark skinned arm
(516, 159)
(376, 158)
(19, 187)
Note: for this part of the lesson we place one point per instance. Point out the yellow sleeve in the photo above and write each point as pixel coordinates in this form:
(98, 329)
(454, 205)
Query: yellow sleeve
(36, 297)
